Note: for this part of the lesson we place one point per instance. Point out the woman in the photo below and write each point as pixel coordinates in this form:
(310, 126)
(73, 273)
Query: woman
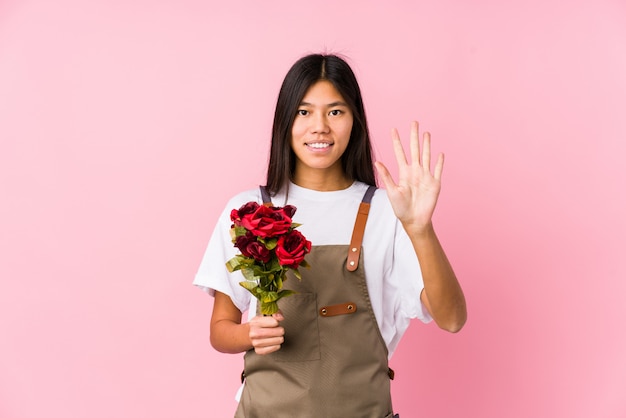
(376, 260)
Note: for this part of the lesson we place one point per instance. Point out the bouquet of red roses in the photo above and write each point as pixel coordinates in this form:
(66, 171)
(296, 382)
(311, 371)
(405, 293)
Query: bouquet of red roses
(270, 246)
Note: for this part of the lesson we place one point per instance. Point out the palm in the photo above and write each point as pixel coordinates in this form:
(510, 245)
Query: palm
(414, 196)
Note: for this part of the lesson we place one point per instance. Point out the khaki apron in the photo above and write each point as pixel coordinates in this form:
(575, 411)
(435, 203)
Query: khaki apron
(333, 362)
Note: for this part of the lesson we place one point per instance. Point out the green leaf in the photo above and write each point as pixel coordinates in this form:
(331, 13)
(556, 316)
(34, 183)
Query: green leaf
(270, 297)
(270, 244)
(240, 230)
(248, 273)
(284, 293)
(239, 262)
(269, 308)
(260, 271)
(274, 265)
(250, 286)
(265, 281)
(233, 264)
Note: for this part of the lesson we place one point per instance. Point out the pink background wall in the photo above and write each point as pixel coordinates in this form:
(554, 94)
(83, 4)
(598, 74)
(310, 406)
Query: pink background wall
(125, 126)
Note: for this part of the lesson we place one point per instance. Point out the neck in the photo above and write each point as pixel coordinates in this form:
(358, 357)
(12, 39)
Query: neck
(322, 180)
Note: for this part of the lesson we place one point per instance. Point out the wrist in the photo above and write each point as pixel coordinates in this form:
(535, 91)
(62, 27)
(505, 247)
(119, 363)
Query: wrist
(419, 231)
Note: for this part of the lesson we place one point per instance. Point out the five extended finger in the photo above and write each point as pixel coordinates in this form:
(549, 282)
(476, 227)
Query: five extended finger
(420, 156)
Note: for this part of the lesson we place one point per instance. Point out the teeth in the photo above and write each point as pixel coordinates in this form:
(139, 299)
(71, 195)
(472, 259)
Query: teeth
(319, 145)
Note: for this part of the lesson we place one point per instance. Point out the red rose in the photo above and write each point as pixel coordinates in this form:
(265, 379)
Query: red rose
(289, 210)
(250, 247)
(248, 208)
(291, 249)
(268, 221)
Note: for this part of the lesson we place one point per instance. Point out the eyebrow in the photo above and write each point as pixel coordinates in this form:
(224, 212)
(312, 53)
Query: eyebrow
(333, 104)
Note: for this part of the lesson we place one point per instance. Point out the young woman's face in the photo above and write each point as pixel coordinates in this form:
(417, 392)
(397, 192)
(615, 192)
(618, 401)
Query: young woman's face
(321, 131)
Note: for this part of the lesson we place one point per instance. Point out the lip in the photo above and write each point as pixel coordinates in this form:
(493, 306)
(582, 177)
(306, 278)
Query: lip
(318, 146)
(319, 142)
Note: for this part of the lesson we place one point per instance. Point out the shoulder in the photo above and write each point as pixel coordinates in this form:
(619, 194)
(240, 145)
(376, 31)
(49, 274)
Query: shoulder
(241, 198)
(359, 188)
(381, 203)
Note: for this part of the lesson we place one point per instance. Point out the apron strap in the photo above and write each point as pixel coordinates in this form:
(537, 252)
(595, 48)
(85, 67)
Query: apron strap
(267, 200)
(354, 251)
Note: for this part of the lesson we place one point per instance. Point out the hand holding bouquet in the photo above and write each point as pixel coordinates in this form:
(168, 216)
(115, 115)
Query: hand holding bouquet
(270, 246)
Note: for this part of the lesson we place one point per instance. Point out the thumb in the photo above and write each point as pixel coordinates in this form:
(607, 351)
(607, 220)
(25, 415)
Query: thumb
(384, 175)
(278, 316)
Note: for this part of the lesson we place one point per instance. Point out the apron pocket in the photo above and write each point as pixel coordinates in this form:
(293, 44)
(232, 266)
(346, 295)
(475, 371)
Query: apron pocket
(302, 340)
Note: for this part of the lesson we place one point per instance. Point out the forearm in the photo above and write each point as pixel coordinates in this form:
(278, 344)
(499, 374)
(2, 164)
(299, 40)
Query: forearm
(228, 334)
(442, 293)
(230, 337)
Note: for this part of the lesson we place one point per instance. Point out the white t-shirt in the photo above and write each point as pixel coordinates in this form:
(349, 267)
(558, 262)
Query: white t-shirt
(392, 271)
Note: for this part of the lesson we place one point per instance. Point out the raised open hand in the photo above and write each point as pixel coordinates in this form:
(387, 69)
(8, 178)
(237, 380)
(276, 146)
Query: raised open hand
(415, 195)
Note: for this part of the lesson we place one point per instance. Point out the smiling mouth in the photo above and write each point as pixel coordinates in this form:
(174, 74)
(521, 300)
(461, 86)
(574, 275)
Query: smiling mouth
(318, 145)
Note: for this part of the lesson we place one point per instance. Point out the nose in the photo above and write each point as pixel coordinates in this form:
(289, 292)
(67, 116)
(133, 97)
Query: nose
(319, 123)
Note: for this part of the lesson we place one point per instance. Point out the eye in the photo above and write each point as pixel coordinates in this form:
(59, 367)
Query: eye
(335, 112)
(302, 112)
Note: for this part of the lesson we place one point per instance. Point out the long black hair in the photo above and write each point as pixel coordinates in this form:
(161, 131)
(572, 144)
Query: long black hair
(356, 160)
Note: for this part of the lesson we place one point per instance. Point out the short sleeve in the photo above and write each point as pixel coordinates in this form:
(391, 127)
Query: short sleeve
(212, 274)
